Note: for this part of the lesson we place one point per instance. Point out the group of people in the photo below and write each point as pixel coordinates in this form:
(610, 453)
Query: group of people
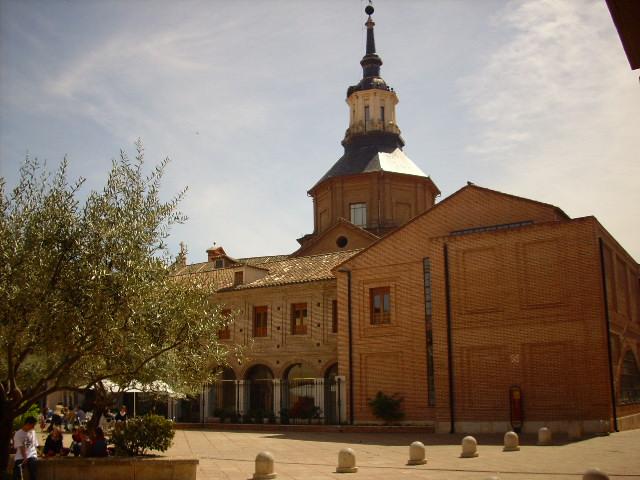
(83, 442)
(62, 417)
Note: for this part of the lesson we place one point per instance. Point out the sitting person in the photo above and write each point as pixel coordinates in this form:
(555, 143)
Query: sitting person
(78, 439)
(99, 446)
(53, 443)
(121, 416)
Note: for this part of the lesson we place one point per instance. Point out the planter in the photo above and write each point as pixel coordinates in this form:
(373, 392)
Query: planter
(122, 468)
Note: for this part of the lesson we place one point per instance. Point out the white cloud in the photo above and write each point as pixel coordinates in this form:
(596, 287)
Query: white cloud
(556, 111)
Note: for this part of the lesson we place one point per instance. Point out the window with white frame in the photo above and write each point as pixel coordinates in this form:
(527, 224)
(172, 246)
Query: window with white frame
(359, 214)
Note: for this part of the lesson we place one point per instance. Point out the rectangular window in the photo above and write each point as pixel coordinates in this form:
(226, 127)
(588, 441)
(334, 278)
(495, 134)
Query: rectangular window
(219, 263)
(359, 214)
(260, 321)
(299, 319)
(238, 278)
(334, 316)
(428, 320)
(366, 113)
(380, 305)
(382, 115)
(225, 332)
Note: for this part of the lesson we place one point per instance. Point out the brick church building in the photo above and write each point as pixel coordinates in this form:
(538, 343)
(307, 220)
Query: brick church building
(482, 310)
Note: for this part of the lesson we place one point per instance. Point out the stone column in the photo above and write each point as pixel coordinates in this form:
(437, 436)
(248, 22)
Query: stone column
(319, 387)
(205, 394)
(240, 384)
(277, 392)
(341, 397)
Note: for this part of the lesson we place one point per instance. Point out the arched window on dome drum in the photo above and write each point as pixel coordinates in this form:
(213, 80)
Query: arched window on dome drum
(629, 380)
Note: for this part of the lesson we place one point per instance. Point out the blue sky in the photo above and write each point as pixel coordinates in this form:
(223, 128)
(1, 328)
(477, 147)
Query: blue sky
(533, 97)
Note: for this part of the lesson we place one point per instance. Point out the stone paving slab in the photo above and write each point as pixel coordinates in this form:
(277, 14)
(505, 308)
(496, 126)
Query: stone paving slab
(313, 456)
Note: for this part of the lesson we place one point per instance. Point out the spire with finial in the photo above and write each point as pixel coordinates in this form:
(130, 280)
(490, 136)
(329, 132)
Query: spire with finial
(371, 62)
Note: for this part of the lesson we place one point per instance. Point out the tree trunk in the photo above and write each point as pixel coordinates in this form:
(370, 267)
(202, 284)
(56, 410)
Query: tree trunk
(6, 429)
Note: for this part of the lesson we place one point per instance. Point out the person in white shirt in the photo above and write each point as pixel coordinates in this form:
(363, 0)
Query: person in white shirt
(25, 442)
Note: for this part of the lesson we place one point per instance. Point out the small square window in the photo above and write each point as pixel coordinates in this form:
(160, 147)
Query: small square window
(225, 332)
(260, 316)
(299, 319)
(380, 305)
(218, 263)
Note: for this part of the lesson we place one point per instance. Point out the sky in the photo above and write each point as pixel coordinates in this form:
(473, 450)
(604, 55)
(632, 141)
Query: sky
(247, 99)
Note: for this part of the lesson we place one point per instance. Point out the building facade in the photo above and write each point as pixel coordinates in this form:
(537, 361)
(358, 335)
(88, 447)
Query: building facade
(482, 311)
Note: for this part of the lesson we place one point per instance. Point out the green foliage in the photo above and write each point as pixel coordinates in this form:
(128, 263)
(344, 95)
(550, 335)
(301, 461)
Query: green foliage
(387, 408)
(305, 408)
(34, 411)
(88, 291)
(141, 434)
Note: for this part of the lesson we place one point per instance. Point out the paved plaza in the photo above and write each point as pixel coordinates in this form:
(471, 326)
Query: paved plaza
(308, 456)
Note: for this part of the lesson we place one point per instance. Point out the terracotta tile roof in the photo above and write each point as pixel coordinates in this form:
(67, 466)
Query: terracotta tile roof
(300, 269)
(281, 270)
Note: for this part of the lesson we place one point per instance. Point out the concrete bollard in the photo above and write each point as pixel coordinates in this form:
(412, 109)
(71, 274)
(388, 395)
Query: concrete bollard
(511, 442)
(469, 447)
(544, 437)
(346, 461)
(595, 474)
(264, 466)
(417, 454)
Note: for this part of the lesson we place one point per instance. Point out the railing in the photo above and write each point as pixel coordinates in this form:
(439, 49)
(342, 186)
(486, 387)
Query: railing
(299, 401)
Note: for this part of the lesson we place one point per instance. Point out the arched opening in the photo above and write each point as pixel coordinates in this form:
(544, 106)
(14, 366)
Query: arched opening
(332, 398)
(223, 395)
(629, 380)
(299, 396)
(259, 389)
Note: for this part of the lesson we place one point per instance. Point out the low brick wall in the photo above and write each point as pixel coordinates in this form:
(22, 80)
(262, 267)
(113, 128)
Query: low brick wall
(269, 427)
(115, 468)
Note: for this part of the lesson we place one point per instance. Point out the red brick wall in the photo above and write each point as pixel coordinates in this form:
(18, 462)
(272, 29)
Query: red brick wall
(527, 309)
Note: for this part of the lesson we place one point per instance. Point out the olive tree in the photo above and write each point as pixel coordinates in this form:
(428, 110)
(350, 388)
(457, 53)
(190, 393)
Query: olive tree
(87, 292)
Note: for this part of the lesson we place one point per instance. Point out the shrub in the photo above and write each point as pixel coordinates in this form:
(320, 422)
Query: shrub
(305, 408)
(140, 434)
(33, 411)
(387, 408)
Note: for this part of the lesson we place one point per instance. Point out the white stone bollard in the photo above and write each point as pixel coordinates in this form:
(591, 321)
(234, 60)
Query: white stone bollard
(544, 436)
(264, 466)
(511, 442)
(469, 447)
(595, 474)
(346, 461)
(417, 454)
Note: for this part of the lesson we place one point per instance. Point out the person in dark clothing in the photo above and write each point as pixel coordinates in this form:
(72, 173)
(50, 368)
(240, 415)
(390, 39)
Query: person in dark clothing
(122, 415)
(99, 446)
(53, 443)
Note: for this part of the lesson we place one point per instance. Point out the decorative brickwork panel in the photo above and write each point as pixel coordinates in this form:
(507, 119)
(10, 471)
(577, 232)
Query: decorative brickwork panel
(481, 280)
(548, 385)
(380, 372)
(622, 288)
(481, 391)
(541, 276)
